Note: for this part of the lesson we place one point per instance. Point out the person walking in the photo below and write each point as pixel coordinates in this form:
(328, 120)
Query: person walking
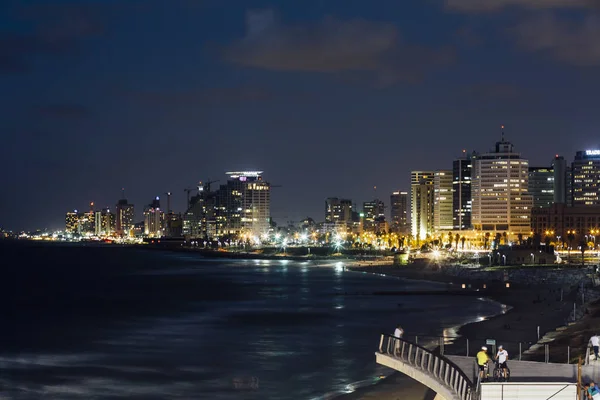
(398, 332)
(482, 360)
(595, 343)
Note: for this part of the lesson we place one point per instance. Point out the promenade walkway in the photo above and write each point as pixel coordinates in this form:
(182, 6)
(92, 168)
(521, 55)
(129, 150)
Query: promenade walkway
(455, 377)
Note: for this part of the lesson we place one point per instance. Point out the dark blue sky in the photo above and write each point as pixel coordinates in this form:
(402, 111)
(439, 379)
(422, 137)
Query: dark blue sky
(329, 98)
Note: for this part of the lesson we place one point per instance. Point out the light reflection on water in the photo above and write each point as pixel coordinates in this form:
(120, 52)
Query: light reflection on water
(289, 328)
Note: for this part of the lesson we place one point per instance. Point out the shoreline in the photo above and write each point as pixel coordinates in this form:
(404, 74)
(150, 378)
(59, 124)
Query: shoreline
(526, 308)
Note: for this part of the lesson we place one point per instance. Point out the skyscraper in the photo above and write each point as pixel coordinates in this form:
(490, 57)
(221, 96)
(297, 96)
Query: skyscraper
(500, 199)
(241, 206)
(153, 219)
(399, 212)
(559, 168)
(255, 196)
(442, 206)
(72, 221)
(461, 192)
(421, 203)
(373, 211)
(104, 222)
(124, 218)
(541, 186)
(338, 211)
(586, 178)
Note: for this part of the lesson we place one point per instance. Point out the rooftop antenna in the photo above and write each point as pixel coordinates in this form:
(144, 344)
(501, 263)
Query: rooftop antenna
(123, 193)
(502, 133)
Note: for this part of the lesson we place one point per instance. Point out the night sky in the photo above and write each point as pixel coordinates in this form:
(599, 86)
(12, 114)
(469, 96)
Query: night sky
(328, 97)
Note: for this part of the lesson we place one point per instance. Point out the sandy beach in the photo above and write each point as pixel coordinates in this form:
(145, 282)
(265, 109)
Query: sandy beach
(527, 308)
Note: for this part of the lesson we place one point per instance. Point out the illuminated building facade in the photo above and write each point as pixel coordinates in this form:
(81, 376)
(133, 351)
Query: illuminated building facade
(399, 212)
(501, 202)
(558, 219)
(104, 223)
(72, 222)
(586, 178)
(541, 186)
(442, 206)
(338, 211)
(125, 213)
(241, 206)
(373, 213)
(421, 204)
(153, 219)
(87, 223)
(462, 201)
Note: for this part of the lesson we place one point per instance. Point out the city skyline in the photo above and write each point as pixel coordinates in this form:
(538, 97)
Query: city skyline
(95, 102)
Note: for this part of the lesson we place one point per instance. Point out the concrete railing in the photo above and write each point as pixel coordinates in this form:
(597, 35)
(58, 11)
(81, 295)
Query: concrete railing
(441, 368)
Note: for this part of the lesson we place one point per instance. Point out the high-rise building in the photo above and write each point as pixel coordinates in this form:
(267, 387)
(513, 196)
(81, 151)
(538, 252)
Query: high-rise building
(153, 219)
(124, 218)
(586, 178)
(421, 204)
(559, 168)
(501, 202)
(87, 222)
(242, 206)
(442, 206)
(255, 212)
(399, 212)
(373, 211)
(338, 211)
(72, 221)
(461, 192)
(104, 222)
(541, 186)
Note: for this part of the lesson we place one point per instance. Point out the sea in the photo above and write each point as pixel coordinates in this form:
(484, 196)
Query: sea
(108, 322)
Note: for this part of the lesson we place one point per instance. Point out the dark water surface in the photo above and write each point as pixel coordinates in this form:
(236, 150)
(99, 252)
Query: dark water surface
(81, 322)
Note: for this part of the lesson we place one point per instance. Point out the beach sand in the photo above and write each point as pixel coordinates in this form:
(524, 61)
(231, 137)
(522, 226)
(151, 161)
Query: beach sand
(527, 308)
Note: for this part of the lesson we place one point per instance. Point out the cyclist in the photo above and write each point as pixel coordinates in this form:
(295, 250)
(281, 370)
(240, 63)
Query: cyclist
(502, 357)
(482, 360)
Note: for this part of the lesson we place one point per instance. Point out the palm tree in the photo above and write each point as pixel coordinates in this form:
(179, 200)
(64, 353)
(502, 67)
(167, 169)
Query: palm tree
(456, 239)
(570, 237)
(450, 236)
(583, 246)
(520, 237)
(497, 240)
(505, 238)
(462, 239)
(486, 239)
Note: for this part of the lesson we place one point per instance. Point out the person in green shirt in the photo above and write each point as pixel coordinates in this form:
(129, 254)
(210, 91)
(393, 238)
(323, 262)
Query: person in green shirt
(482, 360)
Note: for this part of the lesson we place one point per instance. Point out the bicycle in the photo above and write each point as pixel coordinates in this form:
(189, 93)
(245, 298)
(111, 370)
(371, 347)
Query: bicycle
(498, 375)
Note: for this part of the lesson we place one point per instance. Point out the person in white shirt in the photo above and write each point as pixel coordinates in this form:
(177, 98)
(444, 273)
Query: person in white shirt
(595, 342)
(502, 357)
(398, 334)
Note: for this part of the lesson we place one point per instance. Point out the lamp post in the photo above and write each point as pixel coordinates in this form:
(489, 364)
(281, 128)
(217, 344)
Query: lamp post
(570, 236)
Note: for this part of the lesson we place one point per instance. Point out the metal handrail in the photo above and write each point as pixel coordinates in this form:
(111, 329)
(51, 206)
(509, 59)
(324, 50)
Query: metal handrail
(448, 373)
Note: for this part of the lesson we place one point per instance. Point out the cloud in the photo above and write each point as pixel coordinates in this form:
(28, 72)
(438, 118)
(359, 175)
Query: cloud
(52, 35)
(65, 111)
(210, 96)
(475, 6)
(570, 41)
(493, 91)
(332, 46)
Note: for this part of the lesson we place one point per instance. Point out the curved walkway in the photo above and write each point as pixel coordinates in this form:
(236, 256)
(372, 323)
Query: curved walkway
(433, 370)
(455, 377)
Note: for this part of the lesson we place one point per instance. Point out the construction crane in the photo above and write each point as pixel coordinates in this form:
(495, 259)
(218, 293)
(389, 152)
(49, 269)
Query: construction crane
(206, 186)
(188, 190)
